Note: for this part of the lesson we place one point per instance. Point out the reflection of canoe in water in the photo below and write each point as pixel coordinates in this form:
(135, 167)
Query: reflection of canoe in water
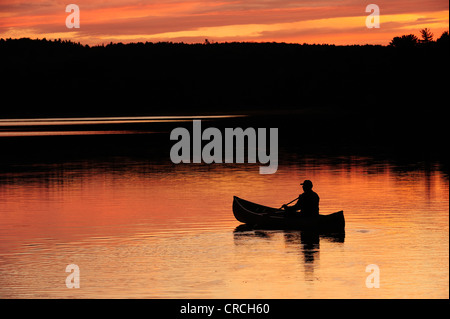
(272, 218)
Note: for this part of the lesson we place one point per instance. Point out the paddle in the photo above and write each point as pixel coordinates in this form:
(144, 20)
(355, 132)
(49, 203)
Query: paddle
(289, 202)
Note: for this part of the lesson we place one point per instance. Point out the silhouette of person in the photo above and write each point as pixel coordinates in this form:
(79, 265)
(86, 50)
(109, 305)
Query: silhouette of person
(307, 203)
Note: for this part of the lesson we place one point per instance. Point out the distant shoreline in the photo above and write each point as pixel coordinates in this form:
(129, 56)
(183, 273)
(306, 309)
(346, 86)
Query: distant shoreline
(381, 84)
(141, 43)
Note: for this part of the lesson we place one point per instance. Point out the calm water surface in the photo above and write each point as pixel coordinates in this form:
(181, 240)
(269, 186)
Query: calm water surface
(144, 228)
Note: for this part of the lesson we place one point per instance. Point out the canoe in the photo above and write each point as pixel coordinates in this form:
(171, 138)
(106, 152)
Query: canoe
(265, 217)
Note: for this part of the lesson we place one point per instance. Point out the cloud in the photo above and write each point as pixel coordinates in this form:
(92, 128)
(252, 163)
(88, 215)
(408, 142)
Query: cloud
(131, 20)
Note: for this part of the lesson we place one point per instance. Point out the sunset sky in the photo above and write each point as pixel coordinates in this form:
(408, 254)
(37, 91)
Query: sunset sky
(296, 21)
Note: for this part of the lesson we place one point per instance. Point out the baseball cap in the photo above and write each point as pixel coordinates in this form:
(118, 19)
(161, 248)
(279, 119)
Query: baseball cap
(307, 182)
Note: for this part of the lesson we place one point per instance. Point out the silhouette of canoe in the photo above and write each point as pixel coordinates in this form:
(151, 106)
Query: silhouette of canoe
(265, 217)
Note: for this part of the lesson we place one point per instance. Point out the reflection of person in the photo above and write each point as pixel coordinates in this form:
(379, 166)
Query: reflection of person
(307, 203)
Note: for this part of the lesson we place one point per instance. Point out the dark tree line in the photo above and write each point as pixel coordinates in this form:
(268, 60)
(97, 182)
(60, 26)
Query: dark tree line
(64, 78)
(427, 39)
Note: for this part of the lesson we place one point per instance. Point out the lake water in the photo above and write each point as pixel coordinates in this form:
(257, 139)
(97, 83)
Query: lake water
(139, 226)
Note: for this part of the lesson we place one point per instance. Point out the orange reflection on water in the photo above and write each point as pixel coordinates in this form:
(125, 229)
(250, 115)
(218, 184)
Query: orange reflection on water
(108, 120)
(65, 133)
(167, 231)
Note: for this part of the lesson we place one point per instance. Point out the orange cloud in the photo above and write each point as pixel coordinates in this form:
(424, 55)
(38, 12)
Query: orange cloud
(317, 21)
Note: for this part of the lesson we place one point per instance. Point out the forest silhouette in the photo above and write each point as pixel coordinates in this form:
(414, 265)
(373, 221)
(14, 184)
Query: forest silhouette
(64, 78)
(390, 98)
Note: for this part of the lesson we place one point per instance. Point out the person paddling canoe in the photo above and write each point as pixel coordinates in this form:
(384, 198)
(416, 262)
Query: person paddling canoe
(307, 203)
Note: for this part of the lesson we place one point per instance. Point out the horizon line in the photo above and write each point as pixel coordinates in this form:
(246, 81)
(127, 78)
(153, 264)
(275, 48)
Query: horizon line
(205, 43)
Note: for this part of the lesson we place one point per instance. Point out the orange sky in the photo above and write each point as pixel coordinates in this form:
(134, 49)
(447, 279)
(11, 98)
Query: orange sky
(300, 21)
